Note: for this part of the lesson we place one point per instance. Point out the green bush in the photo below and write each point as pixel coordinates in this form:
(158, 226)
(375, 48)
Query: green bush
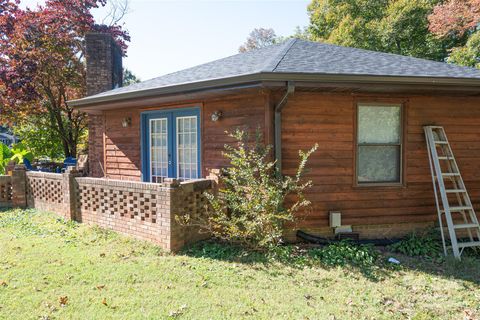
(249, 208)
(17, 153)
(426, 244)
(345, 253)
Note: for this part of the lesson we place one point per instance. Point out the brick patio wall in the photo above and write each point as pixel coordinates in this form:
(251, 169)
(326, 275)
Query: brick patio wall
(5, 192)
(145, 211)
(48, 192)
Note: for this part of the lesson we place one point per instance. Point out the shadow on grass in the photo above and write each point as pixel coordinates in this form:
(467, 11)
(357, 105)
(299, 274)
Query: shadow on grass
(363, 260)
(468, 269)
(368, 261)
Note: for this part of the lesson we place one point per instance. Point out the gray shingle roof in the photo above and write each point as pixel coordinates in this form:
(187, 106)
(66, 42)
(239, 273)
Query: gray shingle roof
(302, 57)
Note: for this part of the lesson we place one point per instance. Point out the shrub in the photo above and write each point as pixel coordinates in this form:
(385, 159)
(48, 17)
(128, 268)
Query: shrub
(249, 208)
(426, 244)
(345, 253)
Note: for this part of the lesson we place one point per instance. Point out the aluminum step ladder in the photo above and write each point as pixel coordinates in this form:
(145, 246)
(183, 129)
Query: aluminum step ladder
(451, 196)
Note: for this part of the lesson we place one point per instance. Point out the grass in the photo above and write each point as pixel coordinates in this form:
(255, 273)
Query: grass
(50, 269)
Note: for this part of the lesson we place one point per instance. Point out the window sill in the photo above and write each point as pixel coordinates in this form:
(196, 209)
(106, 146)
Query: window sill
(380, 186)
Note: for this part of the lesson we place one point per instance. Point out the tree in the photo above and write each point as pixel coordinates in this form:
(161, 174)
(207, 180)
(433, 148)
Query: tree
(455, 17)
(259, 38)
(129, 78)
(42, 63)
(399, 26)
(37, 136)
(459, 19)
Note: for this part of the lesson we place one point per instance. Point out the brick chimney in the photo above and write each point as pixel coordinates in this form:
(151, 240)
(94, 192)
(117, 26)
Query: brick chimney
(104, 72)
(104, 63)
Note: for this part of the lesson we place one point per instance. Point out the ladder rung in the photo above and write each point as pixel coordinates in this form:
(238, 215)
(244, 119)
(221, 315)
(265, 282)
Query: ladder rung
(459, 208)
(440, 142)
(466, 226)
(451, 174)
(455, 191)
(469, 244)
(445, 158)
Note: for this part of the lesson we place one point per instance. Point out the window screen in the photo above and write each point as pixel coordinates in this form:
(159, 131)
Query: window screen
(379, 144)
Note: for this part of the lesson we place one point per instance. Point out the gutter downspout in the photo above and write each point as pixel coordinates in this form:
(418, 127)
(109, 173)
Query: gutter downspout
(278, 126)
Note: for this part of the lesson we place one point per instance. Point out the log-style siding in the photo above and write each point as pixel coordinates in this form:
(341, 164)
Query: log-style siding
(329, 120)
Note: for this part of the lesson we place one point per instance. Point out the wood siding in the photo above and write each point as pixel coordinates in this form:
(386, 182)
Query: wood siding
(122, 145)
(329, 120)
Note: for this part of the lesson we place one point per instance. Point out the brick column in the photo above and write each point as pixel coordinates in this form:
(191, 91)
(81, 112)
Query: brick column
(96, 146)
(175, 239)
(70, 193)
(19, 187)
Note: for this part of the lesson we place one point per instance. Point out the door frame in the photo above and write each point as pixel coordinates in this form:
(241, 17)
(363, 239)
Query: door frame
(171, 114)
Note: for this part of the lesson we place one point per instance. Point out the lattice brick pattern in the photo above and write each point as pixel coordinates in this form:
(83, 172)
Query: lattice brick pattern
(47, 190)
(130, 204)
(5, 189)
(194, 203)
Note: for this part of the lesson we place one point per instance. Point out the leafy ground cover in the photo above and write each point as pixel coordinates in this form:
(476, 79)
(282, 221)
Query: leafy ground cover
(51, 269)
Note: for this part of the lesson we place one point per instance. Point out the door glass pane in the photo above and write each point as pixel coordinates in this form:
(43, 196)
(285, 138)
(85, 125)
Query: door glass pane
(158, 149)
(379, 124)
(187, 147)
(378, 164)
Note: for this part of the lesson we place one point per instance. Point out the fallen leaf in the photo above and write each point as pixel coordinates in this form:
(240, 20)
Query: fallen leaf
(63, 301)
(102, 255)
(104, 301)
(3, 283)
(101, 286)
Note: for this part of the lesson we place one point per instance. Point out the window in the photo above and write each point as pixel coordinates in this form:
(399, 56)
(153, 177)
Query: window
(379, 144)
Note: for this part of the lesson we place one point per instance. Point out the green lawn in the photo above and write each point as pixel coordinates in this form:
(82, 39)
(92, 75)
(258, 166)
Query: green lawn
(50, 269)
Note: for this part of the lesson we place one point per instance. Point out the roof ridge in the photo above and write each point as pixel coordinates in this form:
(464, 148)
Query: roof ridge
(275, 61)
(370, 51)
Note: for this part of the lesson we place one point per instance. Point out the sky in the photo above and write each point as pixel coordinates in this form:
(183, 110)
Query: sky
(171, 35)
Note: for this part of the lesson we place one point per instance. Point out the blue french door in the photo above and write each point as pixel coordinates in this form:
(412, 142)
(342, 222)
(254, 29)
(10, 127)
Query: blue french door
(171, 144)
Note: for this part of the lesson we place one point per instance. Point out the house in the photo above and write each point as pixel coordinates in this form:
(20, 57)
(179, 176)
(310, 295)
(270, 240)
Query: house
(365, 109)
(6, 137)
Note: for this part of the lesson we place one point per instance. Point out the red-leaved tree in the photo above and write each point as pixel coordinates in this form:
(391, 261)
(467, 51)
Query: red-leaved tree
(42, 63)
(455, 17)
(459, 20)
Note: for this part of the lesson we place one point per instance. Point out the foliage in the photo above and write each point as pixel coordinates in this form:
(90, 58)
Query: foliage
(250, 208)
(340, 254)
(455, 17)
(345, 253)
(424, 244)
(129, 78)
(399, 27)
(17, 154)
(301, 33)
(468, 55)
(259, 38)
(5, 154)
(459, 19)
(37, 136)
(42, 62)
